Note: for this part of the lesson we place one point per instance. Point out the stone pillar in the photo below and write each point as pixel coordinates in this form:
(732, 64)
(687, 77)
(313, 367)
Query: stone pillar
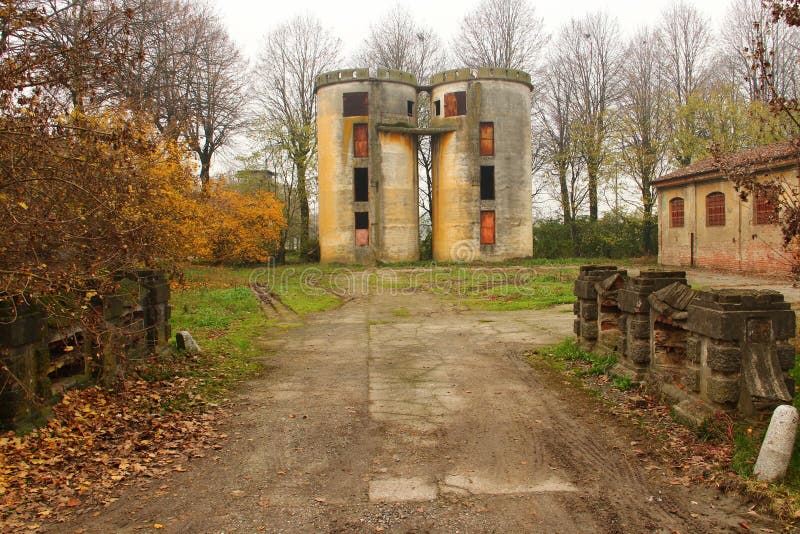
(635, 319)
(154, 295)
(610, 323)
(739, 350)
(23, 351)
(586, 311)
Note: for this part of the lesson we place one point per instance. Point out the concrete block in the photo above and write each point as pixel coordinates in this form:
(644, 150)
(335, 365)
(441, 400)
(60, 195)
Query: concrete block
(723, 390)
(576, 327)
(589, 329)
(589, 311)
(639, 327)
(692, 380)
(693, 348)
(584, 289)
(639, 352)
(723, 357)
(786, 354)
(776, 450)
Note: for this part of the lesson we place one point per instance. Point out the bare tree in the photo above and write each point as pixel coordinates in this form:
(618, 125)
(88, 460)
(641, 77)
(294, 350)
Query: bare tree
(553, 118)
(750, 32)
(293, 55)
(643, 123)
(592, 55)
(399, 42)
(216, 96)
(685, 40)
(501, 33)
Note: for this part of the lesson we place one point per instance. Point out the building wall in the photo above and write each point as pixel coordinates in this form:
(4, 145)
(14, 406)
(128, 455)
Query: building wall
(740, 244)
(492, 95)
(391, 164)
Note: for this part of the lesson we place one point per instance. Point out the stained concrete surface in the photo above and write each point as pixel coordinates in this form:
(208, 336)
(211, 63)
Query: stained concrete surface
(370, 421)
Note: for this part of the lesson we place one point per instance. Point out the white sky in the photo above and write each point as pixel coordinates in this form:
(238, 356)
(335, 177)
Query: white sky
(249, 20)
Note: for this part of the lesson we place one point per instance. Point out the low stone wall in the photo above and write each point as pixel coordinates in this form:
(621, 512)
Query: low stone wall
(722, 349)
(41, 356)
(586, 306)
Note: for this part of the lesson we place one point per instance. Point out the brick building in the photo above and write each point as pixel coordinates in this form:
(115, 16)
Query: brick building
(703, 222)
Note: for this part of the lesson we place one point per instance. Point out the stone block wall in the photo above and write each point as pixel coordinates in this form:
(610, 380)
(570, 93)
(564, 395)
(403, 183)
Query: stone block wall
(723, 349)
(586, 308)
(632, 300)
(41, 356)
(738, 350)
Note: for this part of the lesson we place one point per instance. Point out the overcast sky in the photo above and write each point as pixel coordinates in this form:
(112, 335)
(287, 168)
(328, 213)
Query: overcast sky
(249, 20)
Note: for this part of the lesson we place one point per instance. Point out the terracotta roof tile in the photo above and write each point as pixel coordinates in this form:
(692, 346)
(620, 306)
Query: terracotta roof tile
(754, 156)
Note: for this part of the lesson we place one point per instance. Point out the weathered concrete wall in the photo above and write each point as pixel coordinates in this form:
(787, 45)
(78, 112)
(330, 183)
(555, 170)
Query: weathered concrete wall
(42, 356)
(740, 244)
(501, 97)
(391, 164)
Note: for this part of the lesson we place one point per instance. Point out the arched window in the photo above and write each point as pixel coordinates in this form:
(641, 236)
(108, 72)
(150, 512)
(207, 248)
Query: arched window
(715, 209)
(676, 212)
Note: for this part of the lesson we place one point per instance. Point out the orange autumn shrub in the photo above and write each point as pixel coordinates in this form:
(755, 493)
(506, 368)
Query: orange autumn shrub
(243, 228)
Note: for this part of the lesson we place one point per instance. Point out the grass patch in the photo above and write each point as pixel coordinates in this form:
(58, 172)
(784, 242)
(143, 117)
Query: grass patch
(402, 312)
(568, 357)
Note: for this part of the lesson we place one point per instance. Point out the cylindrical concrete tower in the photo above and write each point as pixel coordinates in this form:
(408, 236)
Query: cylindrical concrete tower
(368, 181)
(481, 169)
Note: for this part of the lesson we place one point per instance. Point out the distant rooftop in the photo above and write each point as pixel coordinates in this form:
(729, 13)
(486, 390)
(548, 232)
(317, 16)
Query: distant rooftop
(768, 156)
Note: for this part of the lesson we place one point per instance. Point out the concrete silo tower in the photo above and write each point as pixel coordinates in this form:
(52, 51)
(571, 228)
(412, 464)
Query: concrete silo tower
(368, 181)
(481, 169)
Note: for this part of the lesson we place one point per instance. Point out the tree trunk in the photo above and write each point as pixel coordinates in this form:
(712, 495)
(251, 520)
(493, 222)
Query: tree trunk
(565, 207)
(647, 223)
(592, 172)
(302, 197)
(205, 171)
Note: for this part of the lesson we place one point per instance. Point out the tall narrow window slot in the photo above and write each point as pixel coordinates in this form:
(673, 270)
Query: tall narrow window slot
(487, 228)
(355, 104)
(455, 104)
(410, 107)
(715, 209)
(362, 228)
(361, 185)
(487, 139)
(487, 182)
(360, 141)
(438, 107)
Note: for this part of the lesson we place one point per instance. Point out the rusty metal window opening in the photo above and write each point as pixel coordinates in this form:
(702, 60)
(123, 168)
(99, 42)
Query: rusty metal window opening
(361, 184)
(487, 182)
(487, 228)
(766, 208)
(438, 107)
(455, 104)
(487, 139)
(362, 229)
(676, 213)
(355, 104)
(360, 140)
(715, 209)
(410, 107)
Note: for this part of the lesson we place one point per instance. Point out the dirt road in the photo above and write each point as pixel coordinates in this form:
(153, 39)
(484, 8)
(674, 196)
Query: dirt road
(410, 414)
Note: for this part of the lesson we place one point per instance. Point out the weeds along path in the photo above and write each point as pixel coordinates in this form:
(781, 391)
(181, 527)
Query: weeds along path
(410, 413)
